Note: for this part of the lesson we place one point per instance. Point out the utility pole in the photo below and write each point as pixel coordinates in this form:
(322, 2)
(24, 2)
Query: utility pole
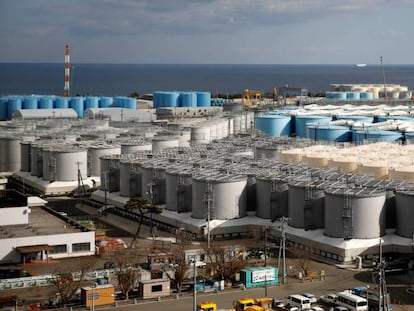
(151, 197)
(195, 282)
(265, 259)
(80, 191)
(282, 246)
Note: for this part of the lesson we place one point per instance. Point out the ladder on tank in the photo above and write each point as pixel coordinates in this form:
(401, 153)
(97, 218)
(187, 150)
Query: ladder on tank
(209, 210)
(308, 209)
(347, 217)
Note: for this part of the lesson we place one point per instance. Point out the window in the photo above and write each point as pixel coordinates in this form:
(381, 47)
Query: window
(58, 249)
(156, 288)
(80, 247)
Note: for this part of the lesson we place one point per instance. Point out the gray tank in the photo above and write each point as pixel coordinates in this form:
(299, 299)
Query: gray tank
(227, 192)
(272, 197)
(135, 179)
(110, 175)
(124, 177)
(263, 151)
(25, 156)
(9, 154)
(405, 213)
(36, 161)
(48, 164)
(356, 213)
(153, 175)
(68, 161)
(306, 204)
(178, 188)
(97, 151)
(135, 146)
(162, 142)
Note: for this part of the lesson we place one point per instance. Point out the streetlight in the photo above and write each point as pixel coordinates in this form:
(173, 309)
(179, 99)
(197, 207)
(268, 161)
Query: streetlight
(93, 297)
(195, 282)
(367, 297)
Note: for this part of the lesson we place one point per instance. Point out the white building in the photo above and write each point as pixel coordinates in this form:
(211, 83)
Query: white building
(29, 231)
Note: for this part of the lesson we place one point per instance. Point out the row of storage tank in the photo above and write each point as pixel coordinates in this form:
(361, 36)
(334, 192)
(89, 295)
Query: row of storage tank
(91, 137)
(368, 92)
(338, 128)
(9, 104)
(181, 99)
(344, 206)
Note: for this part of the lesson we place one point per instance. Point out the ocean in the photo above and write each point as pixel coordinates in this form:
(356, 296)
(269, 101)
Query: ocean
(125, 79)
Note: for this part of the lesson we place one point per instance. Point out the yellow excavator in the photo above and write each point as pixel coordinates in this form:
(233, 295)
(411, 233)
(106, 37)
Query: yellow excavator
(251, 98)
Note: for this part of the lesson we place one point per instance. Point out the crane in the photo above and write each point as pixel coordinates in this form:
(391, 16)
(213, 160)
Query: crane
(251, 97)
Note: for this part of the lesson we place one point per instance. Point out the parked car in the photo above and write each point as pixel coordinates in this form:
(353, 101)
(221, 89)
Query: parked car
(278, 303)
(311, 297)
(328, 299)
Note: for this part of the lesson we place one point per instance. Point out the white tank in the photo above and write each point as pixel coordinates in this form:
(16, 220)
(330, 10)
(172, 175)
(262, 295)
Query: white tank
(95, 152)
(356, 213)
(162, 142)
(184, 138)
(9, 154)
(68, 161)
(135, 146)
(228, 193)
(200, 135)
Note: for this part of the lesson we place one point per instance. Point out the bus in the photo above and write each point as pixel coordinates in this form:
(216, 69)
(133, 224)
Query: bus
(351, 302)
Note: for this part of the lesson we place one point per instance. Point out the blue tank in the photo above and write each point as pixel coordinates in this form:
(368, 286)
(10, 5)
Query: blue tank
(119, 101)
(30, 102)
(274, 125)
(203, 99)
(365, 119)
(402, 118)
(336, 95)
(156, 99)
(329, 133)
(375, 135)
(352, 95)
(77, 104)
(14, 103)
(46, 102)
(171, 99)
(105, 102)
(3, 108)
(91, 102)
(129, 103)
(366, 96)
(61, 102)
(301, 122)
(188, 99)
(409, 137)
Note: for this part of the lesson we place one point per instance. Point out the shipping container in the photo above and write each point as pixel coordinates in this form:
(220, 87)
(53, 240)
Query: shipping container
(98, 295)
(259, 276)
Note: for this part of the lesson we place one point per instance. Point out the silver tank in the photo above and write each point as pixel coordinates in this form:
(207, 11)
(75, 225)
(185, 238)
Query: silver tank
(68, 161)
(47, 164)
(306, 204)
(94, 154)
(178, 188)
(200, 135)
(9, 154)
(135, 146)
(355, 213)
(266, 152)
(271, 197)
(405, 213)
(135, 179)
(25, 156)
(228, 193)
(162, 142)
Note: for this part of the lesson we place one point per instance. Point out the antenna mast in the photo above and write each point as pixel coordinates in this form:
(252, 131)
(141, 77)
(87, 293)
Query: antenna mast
(66, 89)
(383, 78)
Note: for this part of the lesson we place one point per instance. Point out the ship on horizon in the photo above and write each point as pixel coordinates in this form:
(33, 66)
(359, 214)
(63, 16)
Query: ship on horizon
(361, 65)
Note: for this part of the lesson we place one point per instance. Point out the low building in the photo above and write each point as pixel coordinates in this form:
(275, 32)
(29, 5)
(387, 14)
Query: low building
(30, 231)
(99, 295)
(154, 288)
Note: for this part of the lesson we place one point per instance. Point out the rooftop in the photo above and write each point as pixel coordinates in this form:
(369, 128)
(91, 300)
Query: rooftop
(41, 222)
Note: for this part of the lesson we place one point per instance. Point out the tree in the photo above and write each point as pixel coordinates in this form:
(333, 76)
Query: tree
(225, 260)
(177, 271)
(303, 256)
(66, 282)
(126, 272)
(141, 204)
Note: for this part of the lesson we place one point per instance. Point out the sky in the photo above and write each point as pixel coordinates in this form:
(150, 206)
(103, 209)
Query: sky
(208, 31)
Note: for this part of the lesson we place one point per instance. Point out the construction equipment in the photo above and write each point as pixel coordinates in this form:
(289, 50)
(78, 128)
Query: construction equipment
(242, 304)
(251, 98)
(207, 306)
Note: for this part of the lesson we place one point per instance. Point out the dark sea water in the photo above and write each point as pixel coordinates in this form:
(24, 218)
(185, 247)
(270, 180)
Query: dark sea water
(124, 79)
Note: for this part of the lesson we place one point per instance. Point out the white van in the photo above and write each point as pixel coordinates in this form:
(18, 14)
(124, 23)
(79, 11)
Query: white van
(299, 301)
